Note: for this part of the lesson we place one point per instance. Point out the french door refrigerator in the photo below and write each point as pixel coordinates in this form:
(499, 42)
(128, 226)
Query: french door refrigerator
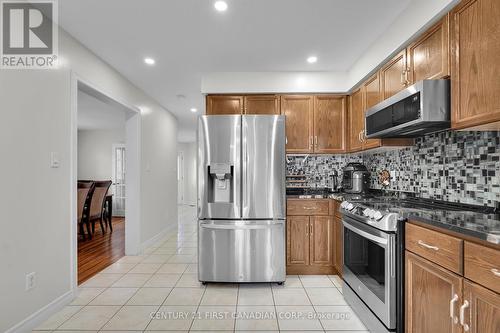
(241, 198)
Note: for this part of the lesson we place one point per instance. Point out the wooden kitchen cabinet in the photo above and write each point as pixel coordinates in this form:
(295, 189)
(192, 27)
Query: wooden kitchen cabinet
(483, 312)
(356, 121)
(330, 122)
(393, 77)
(310, 236)
(429, 291)
(262, 104)
(371, 96)
(475, 65)
(436, 296)
(338, 245)
(298, 110)
(428, 57)
(224, 105)
(297, 236)
(321, 240)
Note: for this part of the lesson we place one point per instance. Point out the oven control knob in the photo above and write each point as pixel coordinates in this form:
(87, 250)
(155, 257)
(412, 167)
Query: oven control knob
(378, 215)
(371, 213)
(366, 211)
(350, 206)
(344, 204)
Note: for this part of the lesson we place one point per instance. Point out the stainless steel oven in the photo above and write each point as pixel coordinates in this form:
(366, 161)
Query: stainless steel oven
(370, 267)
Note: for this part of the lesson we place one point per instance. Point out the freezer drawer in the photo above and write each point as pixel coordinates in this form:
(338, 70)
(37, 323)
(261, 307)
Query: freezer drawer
(241, 251)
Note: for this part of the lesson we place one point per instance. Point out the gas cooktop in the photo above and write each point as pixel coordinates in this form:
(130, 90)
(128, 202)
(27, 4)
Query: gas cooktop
(384, 212)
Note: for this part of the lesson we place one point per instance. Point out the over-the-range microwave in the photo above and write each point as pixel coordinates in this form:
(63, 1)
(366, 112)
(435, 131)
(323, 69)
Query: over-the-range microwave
(421, 108)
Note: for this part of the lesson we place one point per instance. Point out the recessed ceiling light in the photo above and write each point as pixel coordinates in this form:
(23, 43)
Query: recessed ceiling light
(193, 110)
(149, 61)
(221, 6)
(312, 59)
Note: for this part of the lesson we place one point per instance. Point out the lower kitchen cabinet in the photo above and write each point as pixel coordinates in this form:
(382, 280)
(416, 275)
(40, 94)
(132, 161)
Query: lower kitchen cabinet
(429, 291)
(297, 236)
(482, 312)
(439, 300)
(321, 234)
(310, 237)
(338, 245)
(309, 244)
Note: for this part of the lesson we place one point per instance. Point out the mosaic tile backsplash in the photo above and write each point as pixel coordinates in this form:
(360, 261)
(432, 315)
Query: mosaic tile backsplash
(450, 165)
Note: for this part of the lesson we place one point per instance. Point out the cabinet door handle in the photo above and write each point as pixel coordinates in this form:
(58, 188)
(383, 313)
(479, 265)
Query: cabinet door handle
(427, 246)
(495, 272)
(462, 315)
(311, 229)
(452, 308)
(310, 142)
(307, 229)
(403, 78)
(316, 141)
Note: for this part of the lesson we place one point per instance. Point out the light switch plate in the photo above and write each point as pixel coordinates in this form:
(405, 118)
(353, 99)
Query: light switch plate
(54, 160)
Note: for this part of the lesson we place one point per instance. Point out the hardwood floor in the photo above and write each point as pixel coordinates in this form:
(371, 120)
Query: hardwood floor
(100, 252)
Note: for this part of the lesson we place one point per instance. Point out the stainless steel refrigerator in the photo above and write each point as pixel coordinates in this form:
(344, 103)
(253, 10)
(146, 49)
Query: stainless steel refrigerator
(241, 198)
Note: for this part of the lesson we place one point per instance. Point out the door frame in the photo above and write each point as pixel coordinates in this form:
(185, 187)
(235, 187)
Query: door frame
(180, 178)
(132, 165)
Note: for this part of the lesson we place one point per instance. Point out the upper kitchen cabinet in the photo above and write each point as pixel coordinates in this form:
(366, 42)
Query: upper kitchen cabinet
(475, 65)
(371, 96)
(393, 75)
(298, 110)
(428, 57)
(224, 104)
(356, 121)
(330, 122)
(262, 104)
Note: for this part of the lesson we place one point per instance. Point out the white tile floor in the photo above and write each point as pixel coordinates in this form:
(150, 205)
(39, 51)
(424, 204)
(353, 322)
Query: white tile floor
(159, 291)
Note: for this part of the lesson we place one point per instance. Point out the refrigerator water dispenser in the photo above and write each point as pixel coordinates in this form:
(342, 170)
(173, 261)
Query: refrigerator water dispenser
(220, 182)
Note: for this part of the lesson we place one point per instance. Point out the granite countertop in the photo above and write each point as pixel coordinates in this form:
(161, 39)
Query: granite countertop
(483, 226)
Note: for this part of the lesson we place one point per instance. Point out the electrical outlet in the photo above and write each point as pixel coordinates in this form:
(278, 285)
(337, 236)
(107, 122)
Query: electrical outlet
(30, 280)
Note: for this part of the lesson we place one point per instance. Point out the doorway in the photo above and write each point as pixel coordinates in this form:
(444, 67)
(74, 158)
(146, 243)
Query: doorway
(106, 227)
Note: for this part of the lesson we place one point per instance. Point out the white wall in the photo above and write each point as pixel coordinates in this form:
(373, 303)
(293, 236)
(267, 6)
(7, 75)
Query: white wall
(417, 17)
(189, 151)
(35, 201)
(95, 152)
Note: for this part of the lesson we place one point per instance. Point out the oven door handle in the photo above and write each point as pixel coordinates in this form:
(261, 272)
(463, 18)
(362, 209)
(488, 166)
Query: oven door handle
(365, 234)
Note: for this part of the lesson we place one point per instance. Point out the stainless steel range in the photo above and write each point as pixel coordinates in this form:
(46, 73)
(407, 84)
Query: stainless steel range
(373, 231)
(370, 263)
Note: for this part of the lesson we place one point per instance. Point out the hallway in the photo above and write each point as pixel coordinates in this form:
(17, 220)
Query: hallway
(159, 291)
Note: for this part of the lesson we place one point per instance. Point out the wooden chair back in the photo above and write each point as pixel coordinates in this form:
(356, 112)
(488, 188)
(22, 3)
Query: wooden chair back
(98, 198)
(85, 190)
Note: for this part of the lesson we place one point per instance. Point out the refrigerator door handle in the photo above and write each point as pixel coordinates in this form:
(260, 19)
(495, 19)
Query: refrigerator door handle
(240, 226)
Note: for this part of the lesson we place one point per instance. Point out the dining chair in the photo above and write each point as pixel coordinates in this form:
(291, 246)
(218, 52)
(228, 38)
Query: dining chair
(85, 191)
(97, 205)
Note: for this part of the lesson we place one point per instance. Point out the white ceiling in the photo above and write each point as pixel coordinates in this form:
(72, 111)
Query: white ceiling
(188, 39)
(94, 114)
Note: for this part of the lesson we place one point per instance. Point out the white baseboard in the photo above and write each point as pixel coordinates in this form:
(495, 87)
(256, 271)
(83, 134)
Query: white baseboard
(156, 238)
(37, 318)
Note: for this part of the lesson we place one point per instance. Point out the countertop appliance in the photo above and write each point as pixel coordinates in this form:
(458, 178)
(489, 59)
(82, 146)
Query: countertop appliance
(355, 178)
(423, 107)
(373, 233)
(241, 198)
